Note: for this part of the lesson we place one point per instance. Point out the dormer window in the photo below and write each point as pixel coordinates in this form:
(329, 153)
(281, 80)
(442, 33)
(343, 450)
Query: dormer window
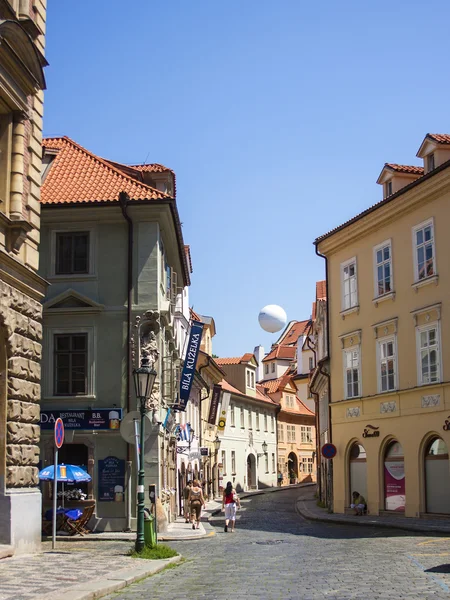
(388, 188)
(430, 162)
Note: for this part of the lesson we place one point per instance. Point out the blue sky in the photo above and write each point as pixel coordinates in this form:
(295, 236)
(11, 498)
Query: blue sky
(276, 116)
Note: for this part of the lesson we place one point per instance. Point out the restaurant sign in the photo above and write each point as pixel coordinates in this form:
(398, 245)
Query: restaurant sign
(103, 418)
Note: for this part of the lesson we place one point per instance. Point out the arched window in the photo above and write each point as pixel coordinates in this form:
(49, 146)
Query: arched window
(394, 478)
(437, 477)
(358, 470)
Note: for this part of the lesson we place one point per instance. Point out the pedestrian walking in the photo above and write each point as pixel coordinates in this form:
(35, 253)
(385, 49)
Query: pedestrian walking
(280, 479)
(196, 502)
(230, 500)
(186, 509)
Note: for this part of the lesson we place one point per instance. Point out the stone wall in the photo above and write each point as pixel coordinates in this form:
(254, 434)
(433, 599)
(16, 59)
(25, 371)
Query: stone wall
(22, 319)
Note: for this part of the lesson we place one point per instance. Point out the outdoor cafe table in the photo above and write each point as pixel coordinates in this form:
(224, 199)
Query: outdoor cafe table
(72, 513)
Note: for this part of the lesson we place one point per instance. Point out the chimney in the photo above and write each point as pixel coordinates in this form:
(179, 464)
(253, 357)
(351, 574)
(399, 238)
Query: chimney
(300, 342)
(259, 355)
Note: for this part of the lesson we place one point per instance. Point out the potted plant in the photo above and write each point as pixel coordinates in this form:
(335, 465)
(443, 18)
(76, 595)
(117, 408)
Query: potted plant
(292, 478)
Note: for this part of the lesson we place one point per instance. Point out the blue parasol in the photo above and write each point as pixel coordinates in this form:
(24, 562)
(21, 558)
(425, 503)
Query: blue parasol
(65, 474)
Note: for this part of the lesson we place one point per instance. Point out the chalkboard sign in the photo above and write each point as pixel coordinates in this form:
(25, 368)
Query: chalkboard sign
(111, 479)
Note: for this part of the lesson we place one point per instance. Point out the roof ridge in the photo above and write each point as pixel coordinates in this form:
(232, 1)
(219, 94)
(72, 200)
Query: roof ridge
(106, 164)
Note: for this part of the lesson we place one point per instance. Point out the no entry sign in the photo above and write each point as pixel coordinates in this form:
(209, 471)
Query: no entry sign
(329, 450)
(59, 433)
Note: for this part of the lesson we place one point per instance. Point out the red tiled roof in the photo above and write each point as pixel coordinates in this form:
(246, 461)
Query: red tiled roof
(441, 138)
(235, 360)
(280, 352)
(293, 331)
(76, 175)
(276, 385)
(227, 387)
(321, 290)
(195, 316)
(187, 251)
(152, 168)
(413, 169)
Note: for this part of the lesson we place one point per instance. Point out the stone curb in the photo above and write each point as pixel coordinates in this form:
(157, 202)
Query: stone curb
(307, 514)
(91, 590)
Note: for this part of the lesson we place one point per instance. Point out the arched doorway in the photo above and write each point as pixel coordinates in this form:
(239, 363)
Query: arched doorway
(437, 477)
(358, 470)
(251, 472)
(394, 477)
(292, 467)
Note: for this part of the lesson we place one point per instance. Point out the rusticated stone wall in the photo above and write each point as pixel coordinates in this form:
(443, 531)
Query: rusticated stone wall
(21, 317)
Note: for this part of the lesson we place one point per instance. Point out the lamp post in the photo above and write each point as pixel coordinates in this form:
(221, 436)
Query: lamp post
(217, 443)
(264, 449)
(144, 378)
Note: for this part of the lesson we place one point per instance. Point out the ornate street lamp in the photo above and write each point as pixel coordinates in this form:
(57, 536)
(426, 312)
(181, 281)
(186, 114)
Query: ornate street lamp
(264, 447)
(144, 379)
(217, 443)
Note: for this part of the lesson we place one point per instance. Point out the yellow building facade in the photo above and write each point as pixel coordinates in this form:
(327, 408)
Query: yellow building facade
(389, 319)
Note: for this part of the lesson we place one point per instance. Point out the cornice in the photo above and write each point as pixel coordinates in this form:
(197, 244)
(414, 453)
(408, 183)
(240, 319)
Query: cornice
(403, 202)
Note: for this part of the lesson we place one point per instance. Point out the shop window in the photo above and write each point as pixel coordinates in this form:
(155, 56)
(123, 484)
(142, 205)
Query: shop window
(437, 477)
(394, 478)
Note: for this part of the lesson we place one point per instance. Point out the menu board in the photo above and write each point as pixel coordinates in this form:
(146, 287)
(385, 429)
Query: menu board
(111, 479)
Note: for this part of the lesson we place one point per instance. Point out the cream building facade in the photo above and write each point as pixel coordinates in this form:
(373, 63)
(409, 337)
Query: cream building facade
(388, 310)
(22, 36)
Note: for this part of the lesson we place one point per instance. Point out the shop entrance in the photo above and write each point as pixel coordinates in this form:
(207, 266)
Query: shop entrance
(358, 470)
(394, 478)
(74, 454)
(251, 472)
(292, 467)
(437, 477)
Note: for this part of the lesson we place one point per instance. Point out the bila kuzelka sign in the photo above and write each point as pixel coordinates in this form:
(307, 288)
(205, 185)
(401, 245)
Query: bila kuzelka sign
(190, 362)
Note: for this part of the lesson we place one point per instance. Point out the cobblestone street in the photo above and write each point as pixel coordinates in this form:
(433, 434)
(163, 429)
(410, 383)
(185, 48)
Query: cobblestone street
(275, 554)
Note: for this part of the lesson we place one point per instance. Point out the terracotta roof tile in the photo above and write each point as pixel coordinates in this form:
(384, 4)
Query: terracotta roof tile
(280, 352)
(293, 331)
(413, 169)
(152, 168)
(441, 138)
(321, 290)
(194, 315)
(76, 175)
(235, 360)
(276, 385)
(260, 395)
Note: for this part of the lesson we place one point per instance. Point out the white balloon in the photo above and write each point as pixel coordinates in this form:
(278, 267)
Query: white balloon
(272, 318)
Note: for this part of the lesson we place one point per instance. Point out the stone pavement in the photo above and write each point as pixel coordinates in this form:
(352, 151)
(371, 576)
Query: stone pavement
(275, 554)
(73, 571)
(307, 507)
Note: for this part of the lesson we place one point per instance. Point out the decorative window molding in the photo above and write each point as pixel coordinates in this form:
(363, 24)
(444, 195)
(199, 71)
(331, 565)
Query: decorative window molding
(92, 245)
(384, 328)
(388, 407)
(428, 346)
(351, 338)
(353, 412)
(383, 298)
(428, 313)
(423, 282)
(349, 311)
(432, 400)
(352, 372)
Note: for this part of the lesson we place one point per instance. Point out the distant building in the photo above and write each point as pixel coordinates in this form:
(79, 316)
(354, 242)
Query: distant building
(248, 450)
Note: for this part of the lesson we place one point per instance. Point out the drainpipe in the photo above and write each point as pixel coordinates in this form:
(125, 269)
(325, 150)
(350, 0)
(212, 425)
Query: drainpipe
(123, 202)
(330, 426)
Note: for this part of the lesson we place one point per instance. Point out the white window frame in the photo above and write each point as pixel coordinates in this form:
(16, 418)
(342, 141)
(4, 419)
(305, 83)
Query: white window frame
(74, 228)
(280, 431)
(266, 369)
(266, 460)
(380, 342)
(306, 434)
(232, 416)
(343, 295)
(415, 229)
(247, 372)
(273, 463)
(252, 379)
(344, 363)
(224, 461)
(291, 434)
(257, 420)
(273, 367)
(233, 462)
(376, 249)
(272, 424)
(420, 329)
(265, 421)
(242, 417)
(250, 419)
(49, 364)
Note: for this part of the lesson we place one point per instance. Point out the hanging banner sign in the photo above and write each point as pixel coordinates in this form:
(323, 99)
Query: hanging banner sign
(214, 404)
(223, 413)
(190, 362)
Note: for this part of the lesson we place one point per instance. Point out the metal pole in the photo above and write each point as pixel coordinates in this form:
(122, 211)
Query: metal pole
(55, 499)
(140, 542)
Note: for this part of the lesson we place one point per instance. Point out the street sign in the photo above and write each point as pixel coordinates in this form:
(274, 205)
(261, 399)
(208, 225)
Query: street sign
(329, 450)
(59, 433)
